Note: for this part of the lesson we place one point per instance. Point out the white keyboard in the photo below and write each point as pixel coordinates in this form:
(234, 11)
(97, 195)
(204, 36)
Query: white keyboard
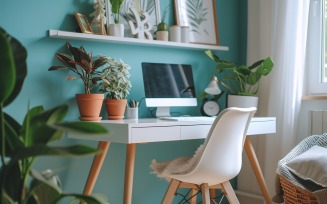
(189, 118)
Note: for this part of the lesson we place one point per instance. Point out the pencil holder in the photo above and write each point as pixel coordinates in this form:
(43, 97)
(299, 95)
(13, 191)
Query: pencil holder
(132, 113)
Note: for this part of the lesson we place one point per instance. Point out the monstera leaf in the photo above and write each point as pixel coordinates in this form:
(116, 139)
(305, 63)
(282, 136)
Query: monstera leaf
(13, 67)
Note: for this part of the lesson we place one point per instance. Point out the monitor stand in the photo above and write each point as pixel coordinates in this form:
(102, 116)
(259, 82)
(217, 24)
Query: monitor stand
(163, 112)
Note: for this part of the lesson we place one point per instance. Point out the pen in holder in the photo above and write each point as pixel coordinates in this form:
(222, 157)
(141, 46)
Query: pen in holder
(132, 111)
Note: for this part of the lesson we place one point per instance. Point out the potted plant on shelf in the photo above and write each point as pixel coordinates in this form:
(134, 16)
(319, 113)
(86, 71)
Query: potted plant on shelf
(242, 82)
(117, 28)
(22, 144)
(85, 68)
(162, 28)
(117, 86)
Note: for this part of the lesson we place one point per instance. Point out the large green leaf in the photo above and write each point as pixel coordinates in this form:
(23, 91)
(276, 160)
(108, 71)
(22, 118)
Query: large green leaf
(43, 150)
(253, 78)
(212, 56)
(5, 199)
(86, 198)
(11, 180)
(265, 67)
(82, 127)
(115, 5)
(19, 55)
(38, 130)
(13, 141)
(45, 190)
(7, 66)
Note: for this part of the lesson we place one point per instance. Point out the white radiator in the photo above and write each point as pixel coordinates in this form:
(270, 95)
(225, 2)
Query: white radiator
(318, 122)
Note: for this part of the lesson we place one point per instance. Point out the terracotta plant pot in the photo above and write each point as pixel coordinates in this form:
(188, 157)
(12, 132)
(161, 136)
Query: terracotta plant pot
(116, 108)
(89, 106)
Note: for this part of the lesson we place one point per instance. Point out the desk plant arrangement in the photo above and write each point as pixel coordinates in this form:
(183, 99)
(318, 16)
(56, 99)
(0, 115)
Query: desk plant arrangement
(117, 74)
(84, 67)
(22, 144)
(241, 80)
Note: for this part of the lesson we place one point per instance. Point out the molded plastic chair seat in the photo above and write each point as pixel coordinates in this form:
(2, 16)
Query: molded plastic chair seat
(215, 162)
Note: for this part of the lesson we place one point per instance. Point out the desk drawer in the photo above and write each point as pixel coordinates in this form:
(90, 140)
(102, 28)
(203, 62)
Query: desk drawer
(155, 134)
(194, 132)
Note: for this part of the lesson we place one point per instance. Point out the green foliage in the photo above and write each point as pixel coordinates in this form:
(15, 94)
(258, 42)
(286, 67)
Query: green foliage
(16, 69)
(115, 8)
(116, 82)
(21, 144)
(162, 26)
(80, 62)
(241, 80)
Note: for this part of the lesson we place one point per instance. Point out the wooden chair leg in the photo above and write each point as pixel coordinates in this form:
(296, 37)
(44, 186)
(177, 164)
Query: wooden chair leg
(170, 193)
(205, 193)
(230, 194)
(212, 193)
(193, 195)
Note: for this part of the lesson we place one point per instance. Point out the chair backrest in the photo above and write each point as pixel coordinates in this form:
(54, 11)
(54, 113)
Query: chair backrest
(221, 159)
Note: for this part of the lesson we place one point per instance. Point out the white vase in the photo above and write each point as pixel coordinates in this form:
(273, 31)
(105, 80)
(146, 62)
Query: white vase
(162, 35)
(116, 30)
(242, 101)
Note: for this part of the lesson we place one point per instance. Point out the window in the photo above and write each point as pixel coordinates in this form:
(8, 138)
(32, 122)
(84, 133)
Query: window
(316, 61)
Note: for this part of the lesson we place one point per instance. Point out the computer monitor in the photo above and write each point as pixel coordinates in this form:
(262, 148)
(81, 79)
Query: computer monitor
(168, 85)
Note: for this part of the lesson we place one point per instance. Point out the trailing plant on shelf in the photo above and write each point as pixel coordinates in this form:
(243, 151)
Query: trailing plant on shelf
(81, 63)
(22, 144)
(241, 80)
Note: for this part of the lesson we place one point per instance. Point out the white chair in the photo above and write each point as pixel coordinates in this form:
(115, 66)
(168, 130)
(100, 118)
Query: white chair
(215, 162)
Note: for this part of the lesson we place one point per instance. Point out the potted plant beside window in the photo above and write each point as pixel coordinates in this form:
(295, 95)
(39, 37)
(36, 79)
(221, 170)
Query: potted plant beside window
(81, 63)
(242, 82)
(117, 86)
(117, 28)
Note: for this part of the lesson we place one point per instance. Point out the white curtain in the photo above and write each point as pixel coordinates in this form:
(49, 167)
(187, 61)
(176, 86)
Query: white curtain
(280, 94)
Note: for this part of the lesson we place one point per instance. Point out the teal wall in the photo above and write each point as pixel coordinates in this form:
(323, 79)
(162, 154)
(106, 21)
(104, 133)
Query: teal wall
(29, 22)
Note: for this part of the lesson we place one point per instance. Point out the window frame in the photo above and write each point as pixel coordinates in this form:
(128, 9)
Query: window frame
(315, 49)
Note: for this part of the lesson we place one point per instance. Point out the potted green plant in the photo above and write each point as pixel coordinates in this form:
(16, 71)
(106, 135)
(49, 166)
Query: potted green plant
(241, 80)
(22, 144)
(162, 28)
(84, 67)
(117, 87)
(117, 28)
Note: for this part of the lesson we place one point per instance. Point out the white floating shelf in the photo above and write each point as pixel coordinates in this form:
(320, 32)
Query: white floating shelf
(132, 41)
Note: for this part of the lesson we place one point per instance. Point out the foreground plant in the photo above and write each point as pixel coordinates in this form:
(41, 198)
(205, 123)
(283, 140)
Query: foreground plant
(21, 144)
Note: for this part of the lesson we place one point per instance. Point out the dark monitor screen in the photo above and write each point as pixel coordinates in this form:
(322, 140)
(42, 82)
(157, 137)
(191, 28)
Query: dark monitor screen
(168, 80)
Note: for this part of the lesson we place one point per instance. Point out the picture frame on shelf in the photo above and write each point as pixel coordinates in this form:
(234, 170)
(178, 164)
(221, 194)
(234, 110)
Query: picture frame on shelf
(152, 7)
(83, 22)
(203, 25)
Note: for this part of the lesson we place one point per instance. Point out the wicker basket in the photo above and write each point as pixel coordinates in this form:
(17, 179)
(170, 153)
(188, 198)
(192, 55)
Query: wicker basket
(296, 195)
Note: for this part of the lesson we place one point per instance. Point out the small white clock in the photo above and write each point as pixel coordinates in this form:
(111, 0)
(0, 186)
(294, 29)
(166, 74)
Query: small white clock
(210, 108)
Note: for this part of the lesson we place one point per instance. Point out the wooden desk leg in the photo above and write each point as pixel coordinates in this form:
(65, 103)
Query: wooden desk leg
(256, 168)
(103, 146)
(129, 173)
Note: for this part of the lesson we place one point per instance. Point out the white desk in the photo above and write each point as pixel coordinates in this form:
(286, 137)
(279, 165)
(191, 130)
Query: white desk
(131, 132)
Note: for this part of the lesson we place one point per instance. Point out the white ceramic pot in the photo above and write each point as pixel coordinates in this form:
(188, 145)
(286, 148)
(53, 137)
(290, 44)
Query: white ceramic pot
(175, 33)
(116, 30)
(162, 35)
(242, 101)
